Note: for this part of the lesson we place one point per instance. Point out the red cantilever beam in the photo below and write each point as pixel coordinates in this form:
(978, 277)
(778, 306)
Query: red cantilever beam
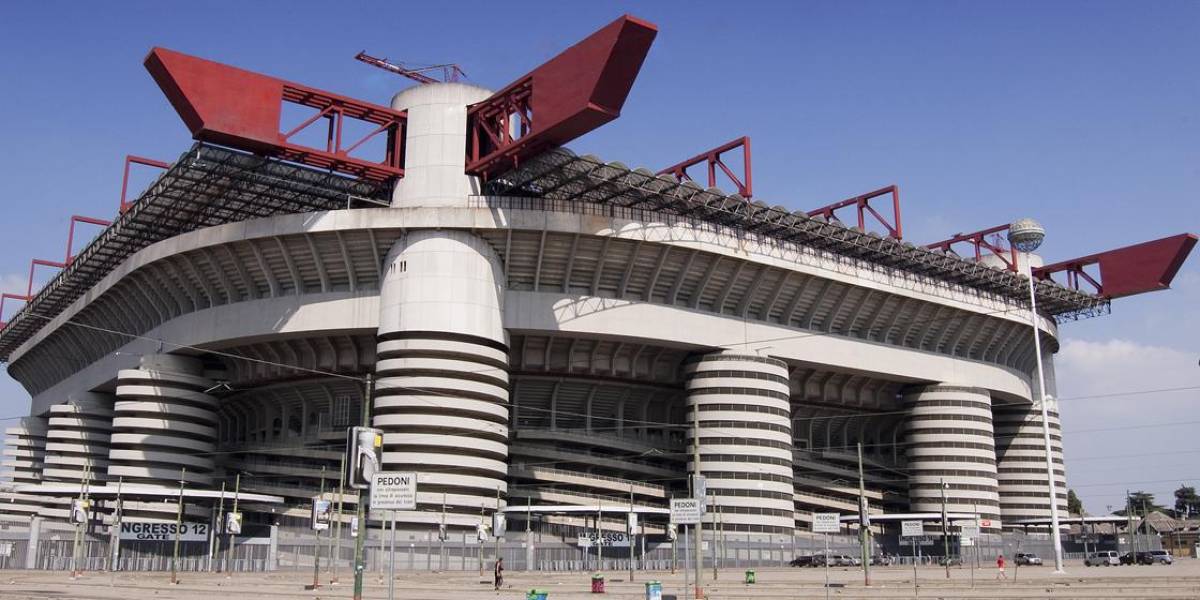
(863, 205)
(979, 241)
(71, 233)
(242, 109)
(1136, 269)
(125, 204)
(33, 264)
(7, 296)
(712, 159)
(573, 93)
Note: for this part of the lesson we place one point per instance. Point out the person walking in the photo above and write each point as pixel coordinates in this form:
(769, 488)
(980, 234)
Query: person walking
(499, 572)
(1000, 574)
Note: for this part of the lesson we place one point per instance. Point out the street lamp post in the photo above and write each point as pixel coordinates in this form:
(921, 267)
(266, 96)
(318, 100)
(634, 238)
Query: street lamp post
(1026, 235)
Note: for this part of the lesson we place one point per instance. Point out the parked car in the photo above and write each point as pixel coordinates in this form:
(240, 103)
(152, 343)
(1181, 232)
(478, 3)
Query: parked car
(953, 561)
(1154, 557)
(1128, 559)
(1104, 558)
(1028, 559)
(882, 560)
(803, 561)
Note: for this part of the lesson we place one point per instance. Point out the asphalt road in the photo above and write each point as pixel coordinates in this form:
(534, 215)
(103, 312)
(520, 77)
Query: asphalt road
(1181, 580)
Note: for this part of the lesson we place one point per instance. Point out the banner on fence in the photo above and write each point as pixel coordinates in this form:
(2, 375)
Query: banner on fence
(163, 532)
(610, 539)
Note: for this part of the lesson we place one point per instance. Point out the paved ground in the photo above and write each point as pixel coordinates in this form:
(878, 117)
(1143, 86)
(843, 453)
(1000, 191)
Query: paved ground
(1159, 582)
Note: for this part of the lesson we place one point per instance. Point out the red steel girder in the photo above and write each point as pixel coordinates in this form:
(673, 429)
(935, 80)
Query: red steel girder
(712, 159)
(129, 161)
(573, 93)
(34, 264)
(980, 243)
(863, 206)
(7, 296)
(242, 109)
(1136, 269)
(71, 233)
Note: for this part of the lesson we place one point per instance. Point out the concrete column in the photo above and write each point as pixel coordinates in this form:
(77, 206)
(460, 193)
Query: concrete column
(35, 534)
(442, 389)
(435, 145)
(24, 460)
(162, 421)
(1021, 462)
(273, 550)
(948, 435)
(745, 438)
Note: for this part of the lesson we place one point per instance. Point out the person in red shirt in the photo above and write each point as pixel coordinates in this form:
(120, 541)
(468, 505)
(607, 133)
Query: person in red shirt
(1000, 568)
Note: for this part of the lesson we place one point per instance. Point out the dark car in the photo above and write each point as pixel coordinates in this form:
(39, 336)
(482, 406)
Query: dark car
(1154, 557)
(1128, 559)
(882, 560)
(952, 561)
(803, 561)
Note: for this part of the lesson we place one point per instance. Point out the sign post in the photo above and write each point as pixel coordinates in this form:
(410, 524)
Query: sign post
(393, 491)
(686, 511)
(913, 530)
(826, 523)
(966, 539)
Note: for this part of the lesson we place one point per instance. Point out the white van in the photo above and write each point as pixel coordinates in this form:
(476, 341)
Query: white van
(1107, 558)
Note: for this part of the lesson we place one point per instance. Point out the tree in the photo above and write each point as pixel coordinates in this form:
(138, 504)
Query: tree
(1143, 503)
(1074, 504)
(1187, 503)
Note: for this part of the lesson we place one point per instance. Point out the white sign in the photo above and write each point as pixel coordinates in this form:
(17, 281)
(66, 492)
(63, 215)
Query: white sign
(610, 539)
(632, 522)
(322, 514)
(394, 491)
(826, 522)
(969, 532)
(912, 529)
(163, 532)
(966, 542)
(700, 491)
(685, 511)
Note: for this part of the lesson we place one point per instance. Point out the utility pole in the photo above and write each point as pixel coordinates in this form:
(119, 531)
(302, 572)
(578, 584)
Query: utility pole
(114, 550)
(632, 532)
(443, 533)
(531, 552)
(600, 537)
(1129, 518)
(79, 526)
(335, 551)
(216, 545)
(360, 509)
(695, 493)
(178, 526)
(864, 521)
(237, 488)
(495, 522)
(317, 538)
(482, 528)
(945, 529)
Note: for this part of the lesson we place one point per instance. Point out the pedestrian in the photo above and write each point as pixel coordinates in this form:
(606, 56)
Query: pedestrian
(1000, 574)
(499, 572)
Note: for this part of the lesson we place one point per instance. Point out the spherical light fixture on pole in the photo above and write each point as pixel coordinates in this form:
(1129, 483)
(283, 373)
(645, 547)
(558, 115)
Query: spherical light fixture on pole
(1027, 235)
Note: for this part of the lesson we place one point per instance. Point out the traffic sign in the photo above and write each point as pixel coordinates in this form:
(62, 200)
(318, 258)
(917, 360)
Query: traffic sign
(912, 529)
(969, 532)
(966, 542)
(685, 511)
(394, 491)
(826, 522)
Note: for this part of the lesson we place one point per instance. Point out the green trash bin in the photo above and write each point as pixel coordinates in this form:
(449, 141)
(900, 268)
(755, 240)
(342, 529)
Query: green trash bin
(749, 576)
(536, 595)
(654, 590)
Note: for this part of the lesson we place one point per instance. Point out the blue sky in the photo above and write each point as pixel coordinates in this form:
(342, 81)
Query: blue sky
(1084, 115)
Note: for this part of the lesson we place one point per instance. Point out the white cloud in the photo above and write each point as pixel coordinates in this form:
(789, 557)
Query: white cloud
(14, 283)
(1100, 382)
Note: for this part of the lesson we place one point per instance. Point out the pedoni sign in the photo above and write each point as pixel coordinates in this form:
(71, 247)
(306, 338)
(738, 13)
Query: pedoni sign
(164, 532)
(394, 491)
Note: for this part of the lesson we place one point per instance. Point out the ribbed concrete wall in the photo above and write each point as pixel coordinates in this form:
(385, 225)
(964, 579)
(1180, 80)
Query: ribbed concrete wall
(949, 437)
(745, 438)
(441, 397)
(163, 421)
(1021, 461)
(77, 439)
(24, 456)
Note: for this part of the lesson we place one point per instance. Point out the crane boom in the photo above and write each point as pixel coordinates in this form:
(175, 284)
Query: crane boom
(450, 71)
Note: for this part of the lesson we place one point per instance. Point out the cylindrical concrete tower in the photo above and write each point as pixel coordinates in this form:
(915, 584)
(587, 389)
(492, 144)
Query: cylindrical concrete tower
(948, 436)
(77, 440)
(163, 421)
(435, 145)
(1021, 462)
(745, 438)
(442, 392)
(24, 458)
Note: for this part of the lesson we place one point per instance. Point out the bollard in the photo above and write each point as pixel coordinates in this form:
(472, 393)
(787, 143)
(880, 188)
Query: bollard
(597, 584)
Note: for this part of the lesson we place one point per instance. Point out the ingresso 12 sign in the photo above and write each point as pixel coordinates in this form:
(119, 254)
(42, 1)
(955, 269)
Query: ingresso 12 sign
(164, 532)
(611, 539)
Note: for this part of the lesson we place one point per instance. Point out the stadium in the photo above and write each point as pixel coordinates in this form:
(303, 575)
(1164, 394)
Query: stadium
(548, 335)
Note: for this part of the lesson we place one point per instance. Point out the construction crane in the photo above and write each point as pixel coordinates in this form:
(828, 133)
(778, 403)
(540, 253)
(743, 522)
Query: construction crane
(450, 72)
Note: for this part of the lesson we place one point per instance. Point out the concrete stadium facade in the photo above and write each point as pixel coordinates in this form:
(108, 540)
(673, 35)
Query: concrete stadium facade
(527, 354)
